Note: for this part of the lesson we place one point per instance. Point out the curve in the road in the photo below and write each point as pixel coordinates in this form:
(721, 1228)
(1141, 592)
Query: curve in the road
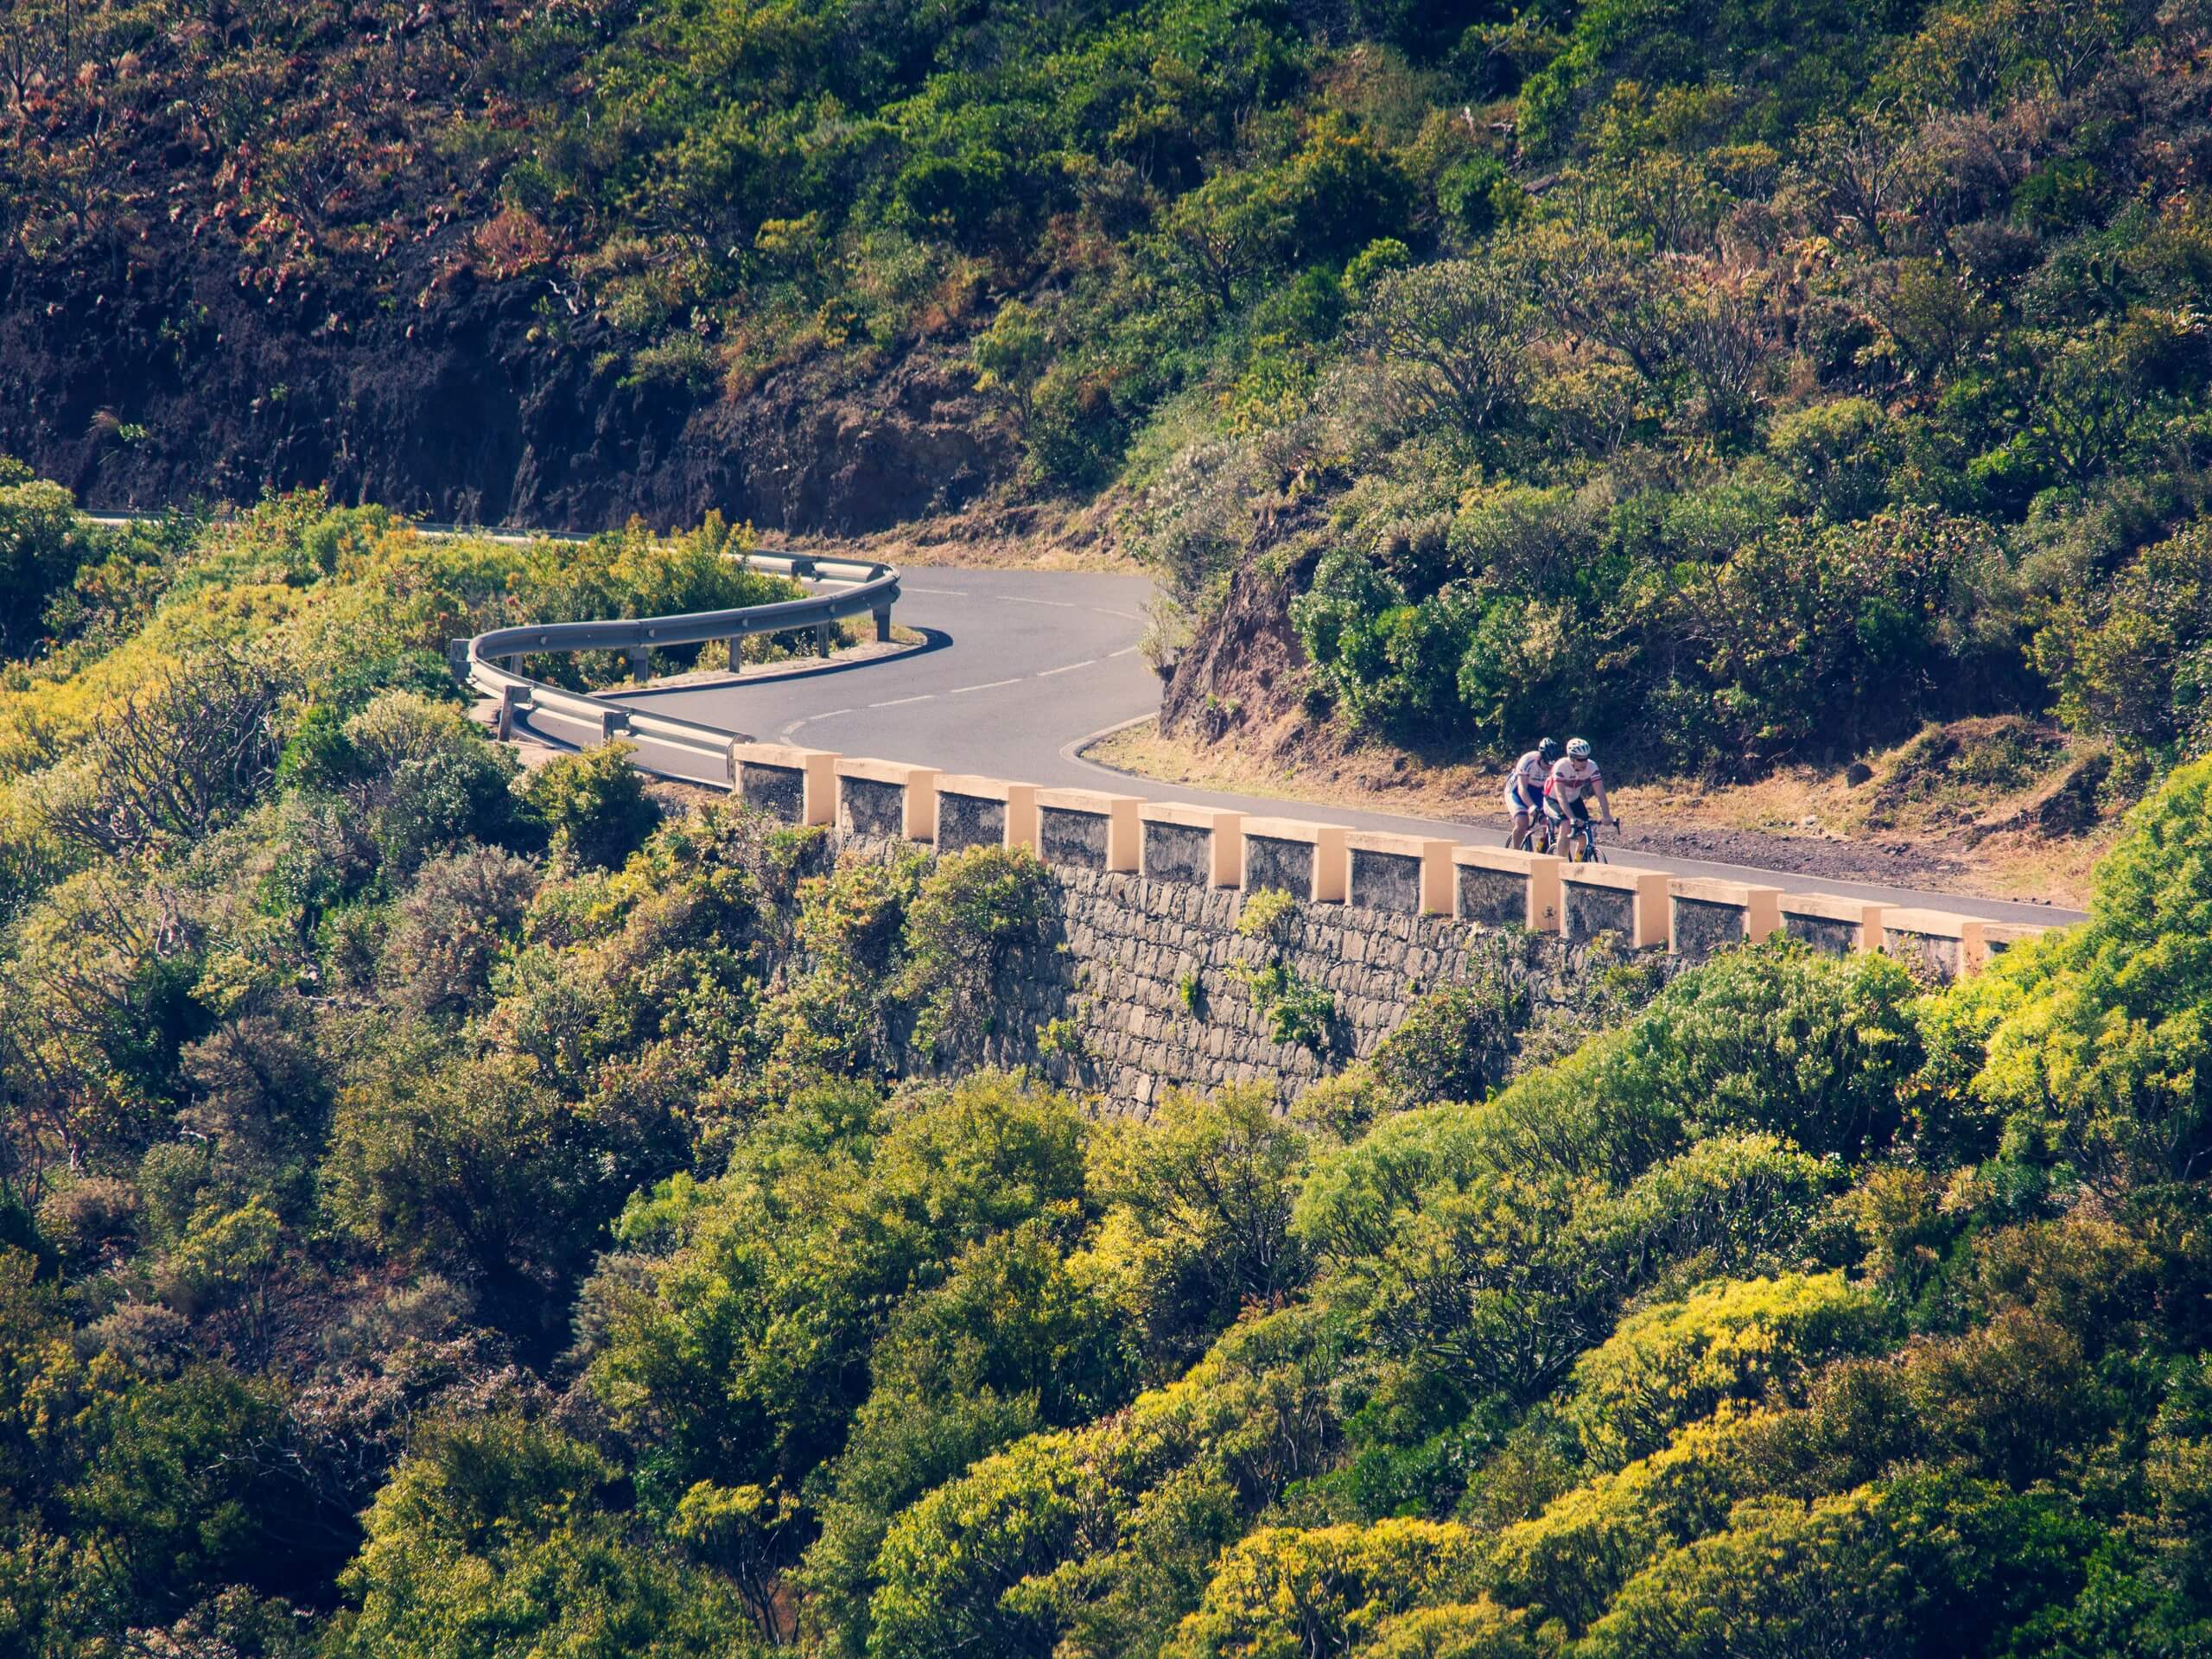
(1022, 669)
(1033, 665)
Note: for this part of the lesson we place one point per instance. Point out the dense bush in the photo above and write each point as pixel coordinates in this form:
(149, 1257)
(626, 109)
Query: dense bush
(595, 803)
(419, 1240)
(1816, 346)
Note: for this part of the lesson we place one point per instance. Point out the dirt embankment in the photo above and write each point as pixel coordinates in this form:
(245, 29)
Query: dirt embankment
(1238, 675)
(1802, 822)
(485, 402)
(2001, 806)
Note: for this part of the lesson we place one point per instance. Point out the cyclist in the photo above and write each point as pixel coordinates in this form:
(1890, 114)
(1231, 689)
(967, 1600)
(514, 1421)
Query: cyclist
(1573, 776)
(1524, 789)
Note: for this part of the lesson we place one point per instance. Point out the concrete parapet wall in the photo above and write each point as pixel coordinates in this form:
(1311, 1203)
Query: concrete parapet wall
(1838, 926)
(1087, 829)
(1704, 916)
(1613, 899)
(1202, 845)
(797, 786)
(886, 800)
(1175, 844)
(974, 812)
(1409, 875)
(1497, 886)
(1935, 941)
(1998, 938)
(1307, 860)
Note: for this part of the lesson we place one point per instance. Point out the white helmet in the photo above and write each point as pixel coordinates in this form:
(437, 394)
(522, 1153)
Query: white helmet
(1578, 747)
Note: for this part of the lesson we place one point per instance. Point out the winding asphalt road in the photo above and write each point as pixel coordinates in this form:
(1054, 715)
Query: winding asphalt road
(1021, 669)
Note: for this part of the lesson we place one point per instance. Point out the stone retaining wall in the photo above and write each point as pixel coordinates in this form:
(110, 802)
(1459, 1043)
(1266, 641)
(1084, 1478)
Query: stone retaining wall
(780, 792)
(1147, 971)
(965, 821)
(1076, 839)
(873, 807)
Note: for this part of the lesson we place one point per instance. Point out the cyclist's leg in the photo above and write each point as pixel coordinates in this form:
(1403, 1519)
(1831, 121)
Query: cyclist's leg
(1553, 818)
(1578, 831)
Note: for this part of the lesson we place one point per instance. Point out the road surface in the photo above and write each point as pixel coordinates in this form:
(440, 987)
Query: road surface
(1021, 667)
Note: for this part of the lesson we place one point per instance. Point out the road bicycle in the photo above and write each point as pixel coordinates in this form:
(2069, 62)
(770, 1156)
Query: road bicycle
(1539, 838)
(1579, 845)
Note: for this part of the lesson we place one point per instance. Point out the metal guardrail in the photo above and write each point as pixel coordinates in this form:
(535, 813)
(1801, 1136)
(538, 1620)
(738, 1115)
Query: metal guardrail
(858, 587)
(864, 586)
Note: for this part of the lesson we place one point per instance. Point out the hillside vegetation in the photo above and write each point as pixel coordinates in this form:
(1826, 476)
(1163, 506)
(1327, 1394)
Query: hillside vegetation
(444, 1213)
(1743, 385)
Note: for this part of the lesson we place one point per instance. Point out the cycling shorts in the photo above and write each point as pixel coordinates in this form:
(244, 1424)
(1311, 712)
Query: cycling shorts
(1578, 810)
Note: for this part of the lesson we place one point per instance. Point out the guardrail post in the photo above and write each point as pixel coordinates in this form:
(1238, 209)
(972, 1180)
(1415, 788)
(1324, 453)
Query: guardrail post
(511, 699)
(613, 723)
(640, 663)
(883, 625)
(457, 660)
(822, 633)
(736, 648)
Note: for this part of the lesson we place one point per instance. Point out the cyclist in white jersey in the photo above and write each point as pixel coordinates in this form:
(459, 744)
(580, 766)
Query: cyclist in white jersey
(1575, 776)
(1524, 789)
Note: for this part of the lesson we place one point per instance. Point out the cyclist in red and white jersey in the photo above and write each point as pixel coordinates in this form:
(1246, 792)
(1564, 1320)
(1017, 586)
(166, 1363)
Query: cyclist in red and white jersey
(1574, 777)
(1525, 789)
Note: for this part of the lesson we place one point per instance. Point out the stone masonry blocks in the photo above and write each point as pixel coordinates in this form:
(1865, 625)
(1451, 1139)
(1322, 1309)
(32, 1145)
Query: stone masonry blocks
(797, 786)
(1409, 874)
(1198, 846)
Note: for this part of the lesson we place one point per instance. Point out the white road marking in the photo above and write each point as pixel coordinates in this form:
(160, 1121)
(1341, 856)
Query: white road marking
(898, 701)
(1057, 604)
(988, 685)
(1068, 668)
(944, 592)
(809, 720)
(1124, 652)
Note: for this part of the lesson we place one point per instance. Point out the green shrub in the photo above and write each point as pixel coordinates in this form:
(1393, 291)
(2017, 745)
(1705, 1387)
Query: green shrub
(1454, 1043)
(682, 362)
(593, 804)
(1372, 263)
(2096, 1041)
(1477, 195)
(971, 914)
(1839, 456)
(1269, 915)
(2135, 659)
(1746, 1342)
(43, 543)
(1329, 1590)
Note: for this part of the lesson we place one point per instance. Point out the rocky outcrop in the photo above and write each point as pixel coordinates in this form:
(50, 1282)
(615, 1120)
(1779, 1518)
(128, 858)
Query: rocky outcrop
(1242, 668)
(484, 403)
